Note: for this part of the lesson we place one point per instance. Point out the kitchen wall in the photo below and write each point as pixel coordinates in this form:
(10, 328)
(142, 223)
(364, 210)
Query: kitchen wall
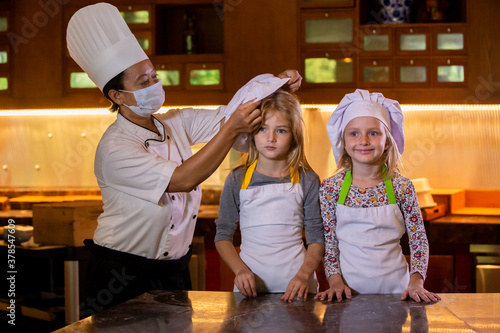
(453, 146)
(55, 149)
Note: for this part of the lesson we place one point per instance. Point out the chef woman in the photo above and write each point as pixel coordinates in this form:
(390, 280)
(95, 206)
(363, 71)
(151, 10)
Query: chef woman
(144, 166)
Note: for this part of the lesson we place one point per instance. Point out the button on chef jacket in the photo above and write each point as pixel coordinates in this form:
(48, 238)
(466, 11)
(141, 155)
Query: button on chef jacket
(133, 167)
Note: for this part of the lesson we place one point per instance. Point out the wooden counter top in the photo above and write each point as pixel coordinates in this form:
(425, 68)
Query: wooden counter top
(464, 219)
(27, 201)
(463, 229)
(202, 311)
(208, 212)
(469, 201)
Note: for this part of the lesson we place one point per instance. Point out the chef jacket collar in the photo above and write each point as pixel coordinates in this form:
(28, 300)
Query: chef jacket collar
(142, 132)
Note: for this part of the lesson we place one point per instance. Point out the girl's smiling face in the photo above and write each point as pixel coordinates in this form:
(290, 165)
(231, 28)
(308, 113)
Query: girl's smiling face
(365, 140)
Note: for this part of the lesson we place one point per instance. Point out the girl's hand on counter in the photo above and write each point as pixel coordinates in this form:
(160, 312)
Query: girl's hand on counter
(297, 286)
(245, 282)
(337, 289)
(417, 292)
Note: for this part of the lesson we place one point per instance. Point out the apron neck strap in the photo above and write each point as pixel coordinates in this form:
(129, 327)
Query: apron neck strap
(348, 181)
(251, 168)
(389, 188)
(345, 187)
(248, 175)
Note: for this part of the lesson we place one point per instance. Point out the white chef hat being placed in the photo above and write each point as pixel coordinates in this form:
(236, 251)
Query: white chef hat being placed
(362, 103)
(101, 43)
(259, 87)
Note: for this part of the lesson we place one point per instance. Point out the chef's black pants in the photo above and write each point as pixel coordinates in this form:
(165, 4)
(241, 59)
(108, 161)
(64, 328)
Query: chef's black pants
(114, 277)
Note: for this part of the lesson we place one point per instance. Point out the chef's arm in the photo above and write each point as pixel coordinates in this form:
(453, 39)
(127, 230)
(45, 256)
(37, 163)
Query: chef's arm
(244, 280)
(201, 165)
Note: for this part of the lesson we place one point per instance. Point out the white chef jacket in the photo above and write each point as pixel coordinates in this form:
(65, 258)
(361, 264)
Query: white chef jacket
(139, 217)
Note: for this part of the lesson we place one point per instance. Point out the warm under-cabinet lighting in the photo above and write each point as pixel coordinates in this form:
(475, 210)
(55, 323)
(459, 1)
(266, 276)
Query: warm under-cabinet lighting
(72, 112)
(418, 107)
(321, 107)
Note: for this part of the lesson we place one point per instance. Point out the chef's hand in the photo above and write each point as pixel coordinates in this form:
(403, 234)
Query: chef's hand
(297, 286)
(337, 289)
(417, 292)
(295, 79)
(245, 282)
(246, 119)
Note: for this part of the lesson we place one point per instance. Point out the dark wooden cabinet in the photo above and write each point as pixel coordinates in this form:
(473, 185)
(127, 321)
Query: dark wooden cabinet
(5, 52)
(426, 54)
(325, 3)
(242, 39)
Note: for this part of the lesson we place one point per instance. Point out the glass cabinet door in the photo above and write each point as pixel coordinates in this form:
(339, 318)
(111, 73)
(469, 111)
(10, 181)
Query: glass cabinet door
(145, 41)
(80, 80)
(204, 76)
(413, 41)
(139, 19)
(190, 27)
(4, 82)
(327, 28)
(4, 23)
(376, 73)
(412, 73)
(169, 77)
(329, 69)
(449, 72)
(170, 74)
(376, 41)
(449, 40)
(137, 16)
(75, 79)
(4, 56)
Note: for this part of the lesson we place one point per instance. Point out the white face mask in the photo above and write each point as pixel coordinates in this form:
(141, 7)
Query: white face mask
(149, 100)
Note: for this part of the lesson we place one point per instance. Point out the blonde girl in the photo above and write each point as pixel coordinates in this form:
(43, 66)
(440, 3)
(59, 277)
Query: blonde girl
(368, 205)
(273, 195)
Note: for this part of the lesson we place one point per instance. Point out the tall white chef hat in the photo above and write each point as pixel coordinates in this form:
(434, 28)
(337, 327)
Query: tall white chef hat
(362, 103)
(101, 43)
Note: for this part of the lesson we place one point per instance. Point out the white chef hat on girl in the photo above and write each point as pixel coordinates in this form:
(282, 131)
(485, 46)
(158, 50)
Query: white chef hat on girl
(101, 43)
(362, 103)
(259, 87)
